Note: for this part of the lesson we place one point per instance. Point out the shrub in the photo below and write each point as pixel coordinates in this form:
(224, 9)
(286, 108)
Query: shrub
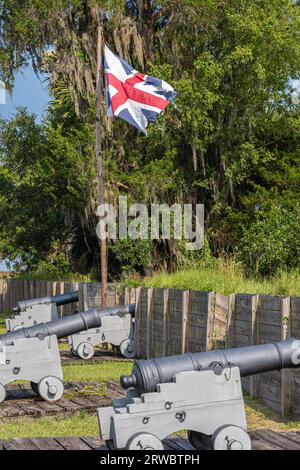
(271, 243)
(133, 255)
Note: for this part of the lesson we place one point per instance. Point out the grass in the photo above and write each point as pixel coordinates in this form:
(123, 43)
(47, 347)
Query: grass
(79, 424)
(2, 322)
(224, 276)
(261, 416)
(105, 370)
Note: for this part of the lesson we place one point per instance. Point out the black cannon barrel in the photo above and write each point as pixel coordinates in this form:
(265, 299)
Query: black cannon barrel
(61, 299)
(67, 326)
(147, 374)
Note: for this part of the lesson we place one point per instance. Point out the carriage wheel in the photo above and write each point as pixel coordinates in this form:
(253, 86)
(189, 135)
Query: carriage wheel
(85, 351)
(144, 441)
(127, 349)
(231, 437)
(51, 388)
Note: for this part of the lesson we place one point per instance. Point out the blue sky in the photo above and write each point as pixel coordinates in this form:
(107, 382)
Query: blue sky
(30, 92)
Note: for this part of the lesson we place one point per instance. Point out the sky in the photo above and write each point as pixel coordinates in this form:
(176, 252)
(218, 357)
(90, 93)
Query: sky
(29, 91)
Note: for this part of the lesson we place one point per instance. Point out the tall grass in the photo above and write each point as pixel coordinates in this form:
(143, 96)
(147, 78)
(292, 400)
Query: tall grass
(223, 275)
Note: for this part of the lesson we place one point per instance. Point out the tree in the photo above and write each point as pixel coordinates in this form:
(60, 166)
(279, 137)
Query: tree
(45, 177)
(235, 127)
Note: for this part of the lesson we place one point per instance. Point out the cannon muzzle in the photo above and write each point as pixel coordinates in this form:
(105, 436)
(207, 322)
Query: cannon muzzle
(147, 374)
(61, 299)
(67, 326)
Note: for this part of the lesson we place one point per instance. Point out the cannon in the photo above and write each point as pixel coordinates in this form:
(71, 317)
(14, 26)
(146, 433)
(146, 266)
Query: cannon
(32, 353)
(40, 310)
(199, 392)
(116, 330)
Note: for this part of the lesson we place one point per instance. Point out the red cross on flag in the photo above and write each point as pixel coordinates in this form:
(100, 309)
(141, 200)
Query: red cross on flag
(135, 97)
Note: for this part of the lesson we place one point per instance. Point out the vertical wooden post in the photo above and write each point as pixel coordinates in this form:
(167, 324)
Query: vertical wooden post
(230, 321)
(254, 379)
(49, 288)
(185, 310)
(132, 295)
(100, 176)
(53, 288)
(12, 284)
(32, 288)
(83, 297)
(149, 322)
(22, 289)
(4, 293)
(210, 311)
(137, 322)
(165, 320)
(62, 291)
(25, 282)
(126, 296)
(117, 297)
(286, 374)
(11, 293)
(1, 295)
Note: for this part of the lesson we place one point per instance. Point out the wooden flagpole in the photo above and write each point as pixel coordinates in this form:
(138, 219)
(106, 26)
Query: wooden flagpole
(100, 176)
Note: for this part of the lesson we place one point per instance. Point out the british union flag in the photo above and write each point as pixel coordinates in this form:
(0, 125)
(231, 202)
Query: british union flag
(133, 96)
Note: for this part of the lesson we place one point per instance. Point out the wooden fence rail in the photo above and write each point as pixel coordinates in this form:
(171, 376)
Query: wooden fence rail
(173, 321)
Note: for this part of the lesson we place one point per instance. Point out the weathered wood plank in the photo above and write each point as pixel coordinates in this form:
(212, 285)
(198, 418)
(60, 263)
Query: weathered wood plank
(95, 443)
(11, 411)
(19, 444)
(31, 408)
(261, 444)
(84, 402)
(271, 392)
(185, 325)
(72, 443)
(255, 338)
(286, 374)
(294, 436)
(51, 408)
(69, 405)
(278, 439)
(46, 443)
(270, 302)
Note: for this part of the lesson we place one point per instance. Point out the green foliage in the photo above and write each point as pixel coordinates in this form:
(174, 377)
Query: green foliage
(272, 243)
(132, 255)
(230, 142)
(59, 268)
(45, 176)
(196, 258)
